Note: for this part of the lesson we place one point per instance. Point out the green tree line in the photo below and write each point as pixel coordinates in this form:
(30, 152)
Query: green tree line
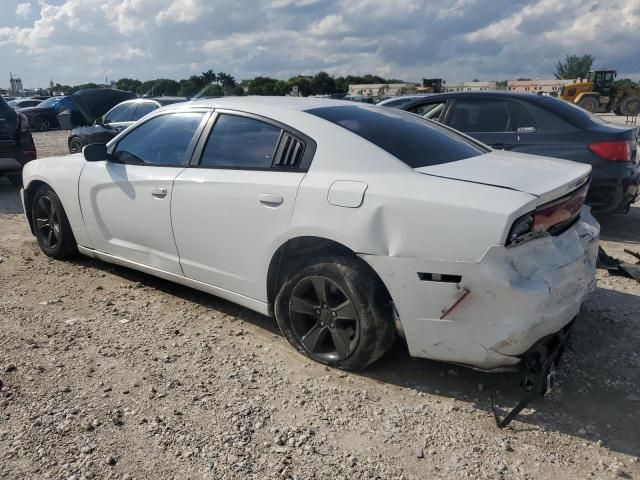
(211, 84)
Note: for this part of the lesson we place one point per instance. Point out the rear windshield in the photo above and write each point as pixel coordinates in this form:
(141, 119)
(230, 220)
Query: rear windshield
(412, 139)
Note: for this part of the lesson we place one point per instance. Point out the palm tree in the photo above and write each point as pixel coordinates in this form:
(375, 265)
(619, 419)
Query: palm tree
(209, 77)
(227, 81)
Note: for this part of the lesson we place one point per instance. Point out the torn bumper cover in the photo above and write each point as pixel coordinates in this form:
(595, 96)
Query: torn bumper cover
(516, 296)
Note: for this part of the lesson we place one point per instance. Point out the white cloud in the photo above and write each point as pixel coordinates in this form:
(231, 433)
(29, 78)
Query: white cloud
(23, 10)
(459, 39)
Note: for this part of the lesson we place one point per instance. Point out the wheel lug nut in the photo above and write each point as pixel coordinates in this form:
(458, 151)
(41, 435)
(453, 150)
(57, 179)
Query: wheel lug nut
(318, 312)
(334, 314)
(322, 324)
(324, 305)
(333, 325)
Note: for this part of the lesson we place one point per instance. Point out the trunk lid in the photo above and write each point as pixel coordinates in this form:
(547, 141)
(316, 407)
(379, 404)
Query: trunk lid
(546, 178)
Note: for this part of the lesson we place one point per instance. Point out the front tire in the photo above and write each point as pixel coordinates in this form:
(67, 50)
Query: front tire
(51, 225)
(336, 311)
(590, 104)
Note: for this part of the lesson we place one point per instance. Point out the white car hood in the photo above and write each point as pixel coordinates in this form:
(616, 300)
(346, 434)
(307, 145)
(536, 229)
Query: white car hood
(544, 177)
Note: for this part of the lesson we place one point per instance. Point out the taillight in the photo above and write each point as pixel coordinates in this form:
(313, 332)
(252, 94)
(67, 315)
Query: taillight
(24, 122)
(619, 151)
(549, 219)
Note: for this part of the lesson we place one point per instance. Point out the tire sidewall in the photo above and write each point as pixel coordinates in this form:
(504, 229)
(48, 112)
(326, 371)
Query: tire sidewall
(66, 245)
(375, 332)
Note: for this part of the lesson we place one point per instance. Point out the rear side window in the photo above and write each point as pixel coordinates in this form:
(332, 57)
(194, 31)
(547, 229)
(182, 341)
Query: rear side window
(413, 140)
(520, 119)
(240, 142)
(479, 116)
(143, 109)
(162, 140)
(3, 104)
(120, 113)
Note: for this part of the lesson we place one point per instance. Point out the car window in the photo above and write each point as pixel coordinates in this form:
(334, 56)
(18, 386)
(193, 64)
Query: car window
(519, 118)
(162, 140)
(479, 115)
(120, 113)
(431, 111)
(143, 109)
(413, 140)
(3, 104)
(240, 142)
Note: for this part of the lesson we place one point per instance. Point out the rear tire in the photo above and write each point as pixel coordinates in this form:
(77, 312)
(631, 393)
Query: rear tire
(336, 311)
(590, 104)
(16, 179)
(630, 106)
(51, 225)
(41, 124)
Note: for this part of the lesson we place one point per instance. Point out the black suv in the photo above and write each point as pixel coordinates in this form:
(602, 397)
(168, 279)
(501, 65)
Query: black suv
(16, 143)
(543, 125)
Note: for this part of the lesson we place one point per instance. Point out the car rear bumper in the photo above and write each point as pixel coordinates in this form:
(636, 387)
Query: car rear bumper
(616, 194)
(516, 296)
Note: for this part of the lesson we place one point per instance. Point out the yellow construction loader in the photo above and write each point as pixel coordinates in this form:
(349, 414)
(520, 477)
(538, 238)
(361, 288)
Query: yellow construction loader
(598, 94)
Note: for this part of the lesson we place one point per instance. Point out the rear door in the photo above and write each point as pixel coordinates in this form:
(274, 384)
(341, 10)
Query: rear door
(8, 133)
(237, 201)
(486, 119)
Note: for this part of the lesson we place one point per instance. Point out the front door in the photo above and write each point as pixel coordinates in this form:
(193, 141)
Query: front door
(126, 200)
(230, 211)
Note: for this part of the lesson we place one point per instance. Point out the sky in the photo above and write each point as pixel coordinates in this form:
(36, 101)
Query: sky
(81, 41)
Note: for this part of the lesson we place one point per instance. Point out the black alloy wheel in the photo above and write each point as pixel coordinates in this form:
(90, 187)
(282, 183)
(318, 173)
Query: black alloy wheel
(41, 124)
(324, 319)
(47, 222)
(51, 225)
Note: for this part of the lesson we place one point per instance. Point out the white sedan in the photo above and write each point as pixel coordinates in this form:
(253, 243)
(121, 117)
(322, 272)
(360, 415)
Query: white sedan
(351, 224)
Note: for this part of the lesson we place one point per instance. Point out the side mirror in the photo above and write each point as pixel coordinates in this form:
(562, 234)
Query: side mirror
(99, 121)
(95, 152)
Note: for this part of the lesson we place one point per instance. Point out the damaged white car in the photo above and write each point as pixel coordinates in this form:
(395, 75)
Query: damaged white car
(351, 224)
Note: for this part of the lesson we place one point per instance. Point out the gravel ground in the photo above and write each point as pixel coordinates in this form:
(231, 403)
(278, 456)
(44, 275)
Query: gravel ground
(110, 373)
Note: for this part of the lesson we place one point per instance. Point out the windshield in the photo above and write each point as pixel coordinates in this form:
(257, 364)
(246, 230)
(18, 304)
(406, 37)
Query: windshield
(410, 138)
(53, 102)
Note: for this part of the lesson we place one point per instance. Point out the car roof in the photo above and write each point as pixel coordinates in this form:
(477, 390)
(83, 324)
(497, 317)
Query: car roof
(260, 102)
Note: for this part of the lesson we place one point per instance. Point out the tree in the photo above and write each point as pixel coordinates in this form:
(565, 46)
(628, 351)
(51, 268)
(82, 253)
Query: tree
(574, 67)
(208, 77)
(227, 82)
(303, 84)
(323, 84)
(128, 84)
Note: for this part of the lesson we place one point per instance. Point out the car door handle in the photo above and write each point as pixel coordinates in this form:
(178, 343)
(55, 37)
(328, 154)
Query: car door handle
(270, 199)
(159, 192)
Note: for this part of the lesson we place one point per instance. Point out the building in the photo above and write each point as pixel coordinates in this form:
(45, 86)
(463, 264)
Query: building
(382, 89)
(469, 86)
(537, 85)
(15, 85)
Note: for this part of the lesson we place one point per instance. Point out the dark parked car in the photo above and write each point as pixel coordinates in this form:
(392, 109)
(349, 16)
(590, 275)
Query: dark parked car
(80, 108)
(543, 125)
(116, 120)
(44, 116)
(24, 102)
(16, 143)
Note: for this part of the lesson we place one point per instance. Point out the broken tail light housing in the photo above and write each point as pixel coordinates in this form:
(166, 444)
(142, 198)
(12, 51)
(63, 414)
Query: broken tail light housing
(619, 151)
(552, 218)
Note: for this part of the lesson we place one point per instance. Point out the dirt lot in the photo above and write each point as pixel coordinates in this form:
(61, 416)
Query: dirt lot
(109, 373)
